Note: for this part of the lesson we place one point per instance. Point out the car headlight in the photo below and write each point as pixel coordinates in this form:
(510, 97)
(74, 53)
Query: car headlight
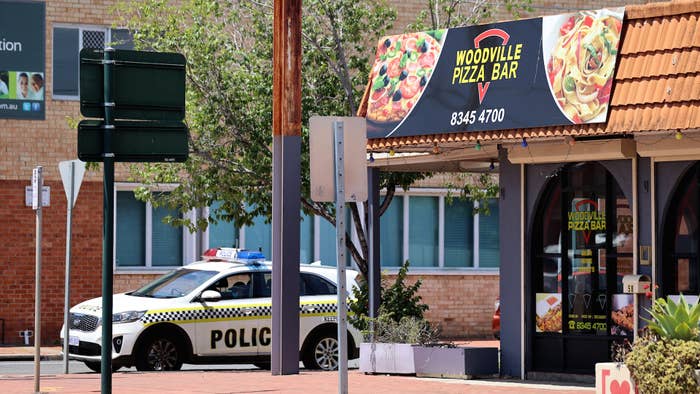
(127, 317)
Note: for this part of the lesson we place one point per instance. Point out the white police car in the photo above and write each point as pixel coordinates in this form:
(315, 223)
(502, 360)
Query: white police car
(213, 311)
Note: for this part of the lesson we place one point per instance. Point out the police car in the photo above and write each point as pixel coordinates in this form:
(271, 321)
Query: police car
(217, 310)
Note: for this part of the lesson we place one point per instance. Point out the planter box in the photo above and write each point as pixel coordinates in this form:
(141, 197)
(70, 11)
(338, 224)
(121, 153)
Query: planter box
(613, 378)
(458, 362)
(407, 359)
(393, 358)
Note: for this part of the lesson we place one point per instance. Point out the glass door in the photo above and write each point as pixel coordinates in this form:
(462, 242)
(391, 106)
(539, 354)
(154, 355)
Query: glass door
(582, 248)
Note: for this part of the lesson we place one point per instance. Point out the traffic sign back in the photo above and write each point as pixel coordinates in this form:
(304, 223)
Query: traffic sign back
(151, 85)
(134, 141)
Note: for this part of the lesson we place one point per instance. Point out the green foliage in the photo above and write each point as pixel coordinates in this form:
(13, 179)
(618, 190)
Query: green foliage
(675, 321)
(664, 366)
(479, 188)
(456, 13)
(398, 300)
(228, 47)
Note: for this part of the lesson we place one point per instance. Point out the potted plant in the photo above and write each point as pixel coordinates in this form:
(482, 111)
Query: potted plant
(401, 341)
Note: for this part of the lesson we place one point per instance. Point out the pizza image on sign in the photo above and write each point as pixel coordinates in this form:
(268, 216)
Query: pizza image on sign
(402, 69)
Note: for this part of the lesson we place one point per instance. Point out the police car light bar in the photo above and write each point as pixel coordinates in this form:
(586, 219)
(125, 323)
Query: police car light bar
(233, 255)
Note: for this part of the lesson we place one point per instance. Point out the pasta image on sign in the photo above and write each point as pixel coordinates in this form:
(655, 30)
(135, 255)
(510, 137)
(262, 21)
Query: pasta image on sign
(579, 56)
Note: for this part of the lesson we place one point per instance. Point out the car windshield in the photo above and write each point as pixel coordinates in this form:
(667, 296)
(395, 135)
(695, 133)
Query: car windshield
(174, 284)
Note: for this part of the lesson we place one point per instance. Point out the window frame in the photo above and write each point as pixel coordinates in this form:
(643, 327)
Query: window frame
(188, 240)
(107, 30)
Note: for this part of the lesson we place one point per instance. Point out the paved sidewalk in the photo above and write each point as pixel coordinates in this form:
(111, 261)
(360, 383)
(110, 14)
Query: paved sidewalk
(229, 382)
(258, 381)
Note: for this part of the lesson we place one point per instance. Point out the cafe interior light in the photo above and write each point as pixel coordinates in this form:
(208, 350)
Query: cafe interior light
(524, 143)
(679, 135)
(478, 145)
(371, 157)
(492, 166)
(436, 149)
(391, 152)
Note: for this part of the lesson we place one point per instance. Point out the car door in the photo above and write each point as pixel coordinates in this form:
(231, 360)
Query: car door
(228, 327)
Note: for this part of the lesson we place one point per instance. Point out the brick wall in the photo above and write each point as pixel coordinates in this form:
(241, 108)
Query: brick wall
(17, 256)
(461, 304)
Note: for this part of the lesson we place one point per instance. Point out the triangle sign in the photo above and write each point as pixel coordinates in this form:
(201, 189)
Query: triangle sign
(72, 171)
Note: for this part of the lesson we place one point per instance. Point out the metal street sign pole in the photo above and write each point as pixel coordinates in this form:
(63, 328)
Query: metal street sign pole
(340, 265)
(72, 172)
(37, 186)
(66, 299)
(108, 228)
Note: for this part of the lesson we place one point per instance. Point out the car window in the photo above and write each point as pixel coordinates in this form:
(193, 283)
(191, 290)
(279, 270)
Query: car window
(234, 287)
(311, 285)
(174, 284)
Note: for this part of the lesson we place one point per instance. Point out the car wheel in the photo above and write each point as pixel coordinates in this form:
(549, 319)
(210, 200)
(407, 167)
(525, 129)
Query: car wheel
(323, 352)
(96, 366)
(159, 353)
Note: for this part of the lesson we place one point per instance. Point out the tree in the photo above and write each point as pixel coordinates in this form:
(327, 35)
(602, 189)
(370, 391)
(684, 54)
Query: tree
(228, 47)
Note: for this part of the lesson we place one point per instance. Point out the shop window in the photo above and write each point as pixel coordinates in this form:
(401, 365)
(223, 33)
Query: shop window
(67, 43)
(681, 264)
(142, 239)
(582, 247)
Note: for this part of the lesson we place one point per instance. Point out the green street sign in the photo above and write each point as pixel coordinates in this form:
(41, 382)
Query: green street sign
(148, 85)
(134, 141)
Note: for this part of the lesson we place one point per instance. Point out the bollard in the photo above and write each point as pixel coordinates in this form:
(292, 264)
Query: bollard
(26, 334)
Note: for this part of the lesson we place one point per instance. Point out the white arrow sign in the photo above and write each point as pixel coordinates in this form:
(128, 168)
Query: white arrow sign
(72, 172)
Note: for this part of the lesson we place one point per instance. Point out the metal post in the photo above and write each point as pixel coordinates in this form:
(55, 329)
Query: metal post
(340, 265)
(37, 188)
(108, 227)
(66, 299)
(286, 194)
(374, 280)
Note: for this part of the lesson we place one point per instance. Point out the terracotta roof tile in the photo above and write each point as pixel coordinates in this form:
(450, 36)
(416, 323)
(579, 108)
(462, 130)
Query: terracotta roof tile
(657, 84)
(651, 10)
(677, 61)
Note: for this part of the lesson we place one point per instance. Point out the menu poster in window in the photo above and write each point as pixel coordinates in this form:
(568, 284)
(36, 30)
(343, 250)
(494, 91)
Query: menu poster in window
(548, 309)
(587, 313)
(22, 59)
(622, 314)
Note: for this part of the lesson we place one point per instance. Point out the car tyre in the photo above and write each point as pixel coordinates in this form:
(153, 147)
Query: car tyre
(159, 352)
(322, 353)
(96, 366)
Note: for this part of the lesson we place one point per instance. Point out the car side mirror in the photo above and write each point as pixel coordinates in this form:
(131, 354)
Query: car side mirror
(210, 295)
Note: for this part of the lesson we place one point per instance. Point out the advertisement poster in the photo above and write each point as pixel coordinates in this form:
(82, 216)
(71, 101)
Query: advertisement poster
(22, 60)
(555, 70)
(622, 315)
(548, 309)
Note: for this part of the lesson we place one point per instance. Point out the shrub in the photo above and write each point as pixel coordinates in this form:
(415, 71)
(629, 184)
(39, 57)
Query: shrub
(408, 330)
(398, 300)
(667, 366)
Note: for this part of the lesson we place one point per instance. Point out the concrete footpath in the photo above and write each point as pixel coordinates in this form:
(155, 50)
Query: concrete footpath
(257, 381)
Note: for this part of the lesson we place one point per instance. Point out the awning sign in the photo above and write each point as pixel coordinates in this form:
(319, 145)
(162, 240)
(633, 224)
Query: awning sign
(555, 70)
(22, 78)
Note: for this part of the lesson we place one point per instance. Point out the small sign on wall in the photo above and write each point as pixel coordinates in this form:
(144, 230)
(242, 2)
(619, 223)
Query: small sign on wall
(45, 196)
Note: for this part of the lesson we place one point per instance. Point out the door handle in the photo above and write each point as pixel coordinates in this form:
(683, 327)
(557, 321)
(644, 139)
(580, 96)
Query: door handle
(247, 311)
(308, 308)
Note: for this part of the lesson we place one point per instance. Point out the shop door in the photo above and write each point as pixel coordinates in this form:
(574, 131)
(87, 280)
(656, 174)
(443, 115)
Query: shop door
(582, 246)
(680, 270)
